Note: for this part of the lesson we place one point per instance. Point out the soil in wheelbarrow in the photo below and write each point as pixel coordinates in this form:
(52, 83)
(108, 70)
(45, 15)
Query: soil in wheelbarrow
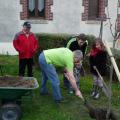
(11, 81)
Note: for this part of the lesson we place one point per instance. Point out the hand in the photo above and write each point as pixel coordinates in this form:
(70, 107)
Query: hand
(66, 75)
(78, 94)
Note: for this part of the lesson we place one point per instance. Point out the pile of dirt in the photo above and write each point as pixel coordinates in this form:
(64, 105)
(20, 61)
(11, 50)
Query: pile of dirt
(12, 81)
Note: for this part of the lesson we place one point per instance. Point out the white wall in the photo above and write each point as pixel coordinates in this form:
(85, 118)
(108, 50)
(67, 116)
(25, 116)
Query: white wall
(7, 48)
(66, 19)
(9, 19)
(9, 24)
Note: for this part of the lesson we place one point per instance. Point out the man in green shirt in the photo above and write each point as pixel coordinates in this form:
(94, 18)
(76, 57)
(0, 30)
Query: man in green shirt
(59, 57)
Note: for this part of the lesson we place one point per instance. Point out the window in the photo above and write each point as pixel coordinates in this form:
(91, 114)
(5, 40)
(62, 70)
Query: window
(36, 8)
(94, 9)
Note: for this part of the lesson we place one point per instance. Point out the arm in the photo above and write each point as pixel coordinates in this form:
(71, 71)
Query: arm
(36, 44)
(85, 48)
(71, 78)
(71, 44)
(16, 43)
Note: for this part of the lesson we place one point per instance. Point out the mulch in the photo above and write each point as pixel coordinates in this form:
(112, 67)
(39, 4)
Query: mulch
(16, 81)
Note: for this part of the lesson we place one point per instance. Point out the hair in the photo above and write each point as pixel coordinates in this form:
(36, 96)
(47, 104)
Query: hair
(98, 40)
(78, 54)
(27, 24)
(82, 37)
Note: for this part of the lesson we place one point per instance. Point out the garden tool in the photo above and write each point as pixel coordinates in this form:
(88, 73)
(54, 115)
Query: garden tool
(104, 88)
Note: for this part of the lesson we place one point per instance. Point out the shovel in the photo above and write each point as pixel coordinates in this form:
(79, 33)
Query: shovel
(104, 88)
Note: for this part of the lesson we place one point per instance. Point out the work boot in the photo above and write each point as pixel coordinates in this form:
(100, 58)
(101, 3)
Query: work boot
(63, 100)
(92, 94)
(71, 91)
(44, 93)
(93, 91)
(96, 96)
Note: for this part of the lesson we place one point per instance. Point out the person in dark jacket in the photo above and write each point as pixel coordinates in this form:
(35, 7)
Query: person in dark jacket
(76, 43)
(98, 59)
(26, 45)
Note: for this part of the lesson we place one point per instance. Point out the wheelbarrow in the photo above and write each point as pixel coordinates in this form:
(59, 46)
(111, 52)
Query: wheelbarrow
(11, 98)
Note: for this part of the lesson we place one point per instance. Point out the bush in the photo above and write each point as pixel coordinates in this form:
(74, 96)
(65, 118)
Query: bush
(49, 41)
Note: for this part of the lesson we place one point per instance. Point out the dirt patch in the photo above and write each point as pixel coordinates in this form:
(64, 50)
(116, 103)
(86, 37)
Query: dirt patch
(11, 81)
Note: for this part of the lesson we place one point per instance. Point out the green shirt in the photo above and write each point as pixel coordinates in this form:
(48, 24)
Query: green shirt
(60, 57)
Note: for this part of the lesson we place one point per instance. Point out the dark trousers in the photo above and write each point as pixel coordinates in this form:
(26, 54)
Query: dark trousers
(23, 63)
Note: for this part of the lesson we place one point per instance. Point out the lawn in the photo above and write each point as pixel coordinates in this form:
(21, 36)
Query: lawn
(43, 107)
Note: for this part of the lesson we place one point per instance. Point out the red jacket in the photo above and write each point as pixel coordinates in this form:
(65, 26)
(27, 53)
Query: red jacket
(25, 45)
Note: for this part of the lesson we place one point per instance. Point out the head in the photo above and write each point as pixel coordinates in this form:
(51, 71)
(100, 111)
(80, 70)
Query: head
(78, 57)
(98, 44)
(81, 39)
(26, 27)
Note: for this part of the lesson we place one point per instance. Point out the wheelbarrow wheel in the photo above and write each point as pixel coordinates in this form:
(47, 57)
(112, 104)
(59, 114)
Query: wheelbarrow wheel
(10, 112)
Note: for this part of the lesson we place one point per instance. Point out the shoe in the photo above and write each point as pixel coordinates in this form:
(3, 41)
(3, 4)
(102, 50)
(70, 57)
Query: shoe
(46, 93)
(96, 96)
(92, 94)
(60, 101)
(57, 101)
(71, 91)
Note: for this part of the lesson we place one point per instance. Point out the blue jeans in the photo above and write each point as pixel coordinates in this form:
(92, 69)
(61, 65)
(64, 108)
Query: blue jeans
(49, 72)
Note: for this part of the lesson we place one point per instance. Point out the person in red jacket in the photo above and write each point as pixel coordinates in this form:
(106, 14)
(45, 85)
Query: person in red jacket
(26, 44)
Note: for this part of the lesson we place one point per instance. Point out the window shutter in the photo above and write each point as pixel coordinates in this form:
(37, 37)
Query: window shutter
(93, 11)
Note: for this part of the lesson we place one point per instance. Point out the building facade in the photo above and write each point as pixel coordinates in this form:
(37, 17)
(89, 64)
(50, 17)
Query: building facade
(56, 16)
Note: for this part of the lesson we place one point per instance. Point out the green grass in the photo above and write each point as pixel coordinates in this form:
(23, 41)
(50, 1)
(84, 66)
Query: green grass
(44, 108)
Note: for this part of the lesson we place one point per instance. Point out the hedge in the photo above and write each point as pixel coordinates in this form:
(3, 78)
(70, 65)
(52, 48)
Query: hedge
(48, 41)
